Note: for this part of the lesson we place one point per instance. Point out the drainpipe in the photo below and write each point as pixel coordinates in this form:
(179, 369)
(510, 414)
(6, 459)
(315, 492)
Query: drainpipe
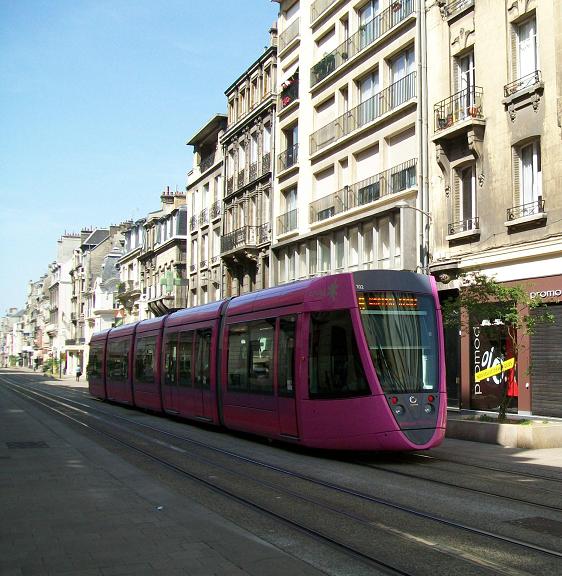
(422, 202)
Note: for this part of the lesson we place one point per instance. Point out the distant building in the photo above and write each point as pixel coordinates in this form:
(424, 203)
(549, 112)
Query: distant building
(205, 205)
(162, 257)
(248, 155)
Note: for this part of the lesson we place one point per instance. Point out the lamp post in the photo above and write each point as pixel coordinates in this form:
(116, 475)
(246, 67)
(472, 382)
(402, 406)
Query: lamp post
(402, 204)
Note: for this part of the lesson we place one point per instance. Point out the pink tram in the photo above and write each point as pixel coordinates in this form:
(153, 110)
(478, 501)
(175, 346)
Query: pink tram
(351, 361)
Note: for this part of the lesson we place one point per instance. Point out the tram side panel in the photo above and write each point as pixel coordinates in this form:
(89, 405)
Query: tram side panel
(146, 365)
(95, 371)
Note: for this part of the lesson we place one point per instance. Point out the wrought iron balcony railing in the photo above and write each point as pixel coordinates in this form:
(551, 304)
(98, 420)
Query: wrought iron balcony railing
(466, 103)
(216, 210)
(381, 103)
(392, 181)
(253, 171)
(454, 7)
(193, 221)
(204, 217)
(266, 163)
(465, 225)
(207, 162)
(241, 178)
(245, 237)
(365, 36)
(288, 35)
(528, 209)
(521, 83)
(203, 264)
(288, 158)
(287, 222)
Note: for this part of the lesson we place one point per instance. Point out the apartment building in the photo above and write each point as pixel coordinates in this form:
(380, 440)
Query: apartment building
(349, 174)
(247, 150)
(494, 87)
(87, 264)
(162, 257)
(131, 303)
(204, 200)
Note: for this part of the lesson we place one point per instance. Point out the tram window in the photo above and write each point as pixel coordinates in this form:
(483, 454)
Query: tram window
(250, 357)
(93, 369)
(261, 357)
(203, 359)
(170, 360)
(238, 344)
(335, 370)
(118, 360)
(145, 357)
(286, 356)
(185, 356)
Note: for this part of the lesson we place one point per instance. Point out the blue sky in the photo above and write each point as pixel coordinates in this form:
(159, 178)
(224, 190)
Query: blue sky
(97, 101)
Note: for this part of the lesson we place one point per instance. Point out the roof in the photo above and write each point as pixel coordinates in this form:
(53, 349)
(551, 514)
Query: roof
(213, 125)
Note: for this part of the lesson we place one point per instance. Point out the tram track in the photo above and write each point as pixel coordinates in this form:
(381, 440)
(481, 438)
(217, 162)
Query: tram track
(450, 551)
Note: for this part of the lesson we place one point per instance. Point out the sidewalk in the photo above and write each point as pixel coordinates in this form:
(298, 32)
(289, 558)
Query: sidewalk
(70, 507)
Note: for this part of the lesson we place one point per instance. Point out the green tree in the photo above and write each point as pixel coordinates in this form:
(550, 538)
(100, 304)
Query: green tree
(480, 296)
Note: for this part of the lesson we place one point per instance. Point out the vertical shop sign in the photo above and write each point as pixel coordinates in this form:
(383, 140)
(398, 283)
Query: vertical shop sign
(492, 366)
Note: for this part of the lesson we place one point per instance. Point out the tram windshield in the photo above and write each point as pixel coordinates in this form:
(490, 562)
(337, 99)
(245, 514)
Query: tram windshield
(401, 332)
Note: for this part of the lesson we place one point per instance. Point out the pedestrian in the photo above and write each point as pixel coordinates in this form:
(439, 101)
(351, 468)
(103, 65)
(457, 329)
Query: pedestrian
(78, 373)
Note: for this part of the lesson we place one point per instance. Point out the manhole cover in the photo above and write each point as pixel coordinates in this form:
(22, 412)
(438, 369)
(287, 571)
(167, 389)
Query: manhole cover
(15, 445)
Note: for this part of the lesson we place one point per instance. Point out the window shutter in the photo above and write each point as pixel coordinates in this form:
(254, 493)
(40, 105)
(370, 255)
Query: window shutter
(514, 55)
(516, 177)
(456, 198)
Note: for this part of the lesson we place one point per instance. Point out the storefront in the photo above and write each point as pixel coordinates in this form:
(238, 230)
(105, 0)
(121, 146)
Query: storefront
(528, 370)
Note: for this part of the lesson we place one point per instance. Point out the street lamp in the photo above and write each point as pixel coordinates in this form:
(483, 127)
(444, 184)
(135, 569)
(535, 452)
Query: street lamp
(402, 204)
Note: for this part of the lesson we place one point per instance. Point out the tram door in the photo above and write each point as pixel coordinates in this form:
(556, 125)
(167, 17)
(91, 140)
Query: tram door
(286, 376)
(170, 384)
(203, 396)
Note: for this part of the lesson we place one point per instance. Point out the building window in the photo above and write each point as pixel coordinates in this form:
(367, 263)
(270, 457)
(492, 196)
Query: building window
(369, 25)
(527, 53)
(464, 200)
(368, 90)
(527, 179)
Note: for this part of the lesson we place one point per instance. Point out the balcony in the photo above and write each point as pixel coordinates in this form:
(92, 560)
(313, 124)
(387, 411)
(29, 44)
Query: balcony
(397, 179)
(216, 210)
(454, 7)
(529, 81)
(245, 237)
(287, 222)
(207, 162)
(319, 7)
(364, 37)
(464, 228)
(526, 215)
(289, 91)
(464, 105)
(288, 158)
(368, 111)
(253, 171)
(287, 36)
(241, 178)
(266, 163)
(204, 217)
